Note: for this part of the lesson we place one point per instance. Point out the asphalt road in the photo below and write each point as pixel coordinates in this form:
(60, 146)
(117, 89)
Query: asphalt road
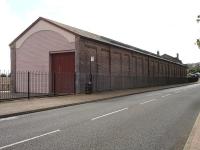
(160, 120)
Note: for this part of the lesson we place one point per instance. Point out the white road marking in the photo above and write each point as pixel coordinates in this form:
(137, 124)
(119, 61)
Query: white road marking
(176, 90)
(36, 137)
(153, 94)
(148, 101)
(108, 114)
(9, 118)
(166, 95)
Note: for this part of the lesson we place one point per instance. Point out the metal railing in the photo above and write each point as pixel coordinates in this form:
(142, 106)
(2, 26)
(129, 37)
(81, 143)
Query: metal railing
(103, 82)
(34, 83)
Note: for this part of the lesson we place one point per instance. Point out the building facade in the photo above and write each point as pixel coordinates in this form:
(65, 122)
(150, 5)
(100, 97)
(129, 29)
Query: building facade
(63, 55)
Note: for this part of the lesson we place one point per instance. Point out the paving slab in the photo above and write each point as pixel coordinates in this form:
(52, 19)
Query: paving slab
(193, 142)
(25, 106)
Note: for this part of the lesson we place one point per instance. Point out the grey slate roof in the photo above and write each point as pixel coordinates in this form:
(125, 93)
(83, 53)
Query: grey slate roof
(96, 37)
(99, 38)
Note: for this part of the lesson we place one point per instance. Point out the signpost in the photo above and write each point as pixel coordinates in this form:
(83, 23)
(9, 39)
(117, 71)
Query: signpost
(91, 60)
(89, 86)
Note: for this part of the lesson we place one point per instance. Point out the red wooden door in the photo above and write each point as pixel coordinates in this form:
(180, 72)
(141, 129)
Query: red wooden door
(63, 69)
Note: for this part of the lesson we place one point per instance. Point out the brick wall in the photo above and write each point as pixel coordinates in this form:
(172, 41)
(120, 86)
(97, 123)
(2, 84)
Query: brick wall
(111, 62)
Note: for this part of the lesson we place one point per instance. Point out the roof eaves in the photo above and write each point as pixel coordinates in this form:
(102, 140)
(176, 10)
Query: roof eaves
(98, 38)
(59, 26)
(138, 51)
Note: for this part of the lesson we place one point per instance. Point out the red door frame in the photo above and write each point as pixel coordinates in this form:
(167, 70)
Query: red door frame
(62, 81)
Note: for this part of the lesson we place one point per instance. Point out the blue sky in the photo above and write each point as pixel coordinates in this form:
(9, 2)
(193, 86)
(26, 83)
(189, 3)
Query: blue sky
(165, 25)
(21, 7)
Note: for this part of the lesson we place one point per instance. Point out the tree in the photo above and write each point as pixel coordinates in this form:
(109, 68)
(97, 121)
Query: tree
(198, 40)
(198, 43)
(198, 18)
(3, 75)
(193, 68)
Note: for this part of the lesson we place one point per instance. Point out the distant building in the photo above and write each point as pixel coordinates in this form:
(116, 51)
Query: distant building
(65, 53)
(174, 59)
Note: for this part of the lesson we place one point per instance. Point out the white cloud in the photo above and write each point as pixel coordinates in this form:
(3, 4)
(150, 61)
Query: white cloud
(168, 26)
(9, 28)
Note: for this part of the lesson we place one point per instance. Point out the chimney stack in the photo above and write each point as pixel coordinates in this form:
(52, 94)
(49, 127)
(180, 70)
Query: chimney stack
(177, 55)
(158, 53)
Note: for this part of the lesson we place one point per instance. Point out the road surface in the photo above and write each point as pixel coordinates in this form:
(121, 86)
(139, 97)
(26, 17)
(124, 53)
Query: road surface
(159, 120)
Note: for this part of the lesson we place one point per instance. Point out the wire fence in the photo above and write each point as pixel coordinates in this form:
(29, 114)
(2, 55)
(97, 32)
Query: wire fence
(32, 84)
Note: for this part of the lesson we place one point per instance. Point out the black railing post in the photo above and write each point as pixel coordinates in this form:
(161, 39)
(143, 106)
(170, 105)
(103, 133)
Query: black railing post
(74, 82)
(28, 85)
(51, 80)
(54, 83)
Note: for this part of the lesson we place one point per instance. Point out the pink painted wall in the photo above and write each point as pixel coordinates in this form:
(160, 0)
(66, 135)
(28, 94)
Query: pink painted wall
(34, 55)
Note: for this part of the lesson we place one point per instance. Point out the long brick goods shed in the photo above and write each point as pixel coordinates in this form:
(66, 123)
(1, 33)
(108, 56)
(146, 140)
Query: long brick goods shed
(57, 58)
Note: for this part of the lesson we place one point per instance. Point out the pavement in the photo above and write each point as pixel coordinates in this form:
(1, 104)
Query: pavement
(156, 120)
(25, 106)
(193, 142)
(158, 117)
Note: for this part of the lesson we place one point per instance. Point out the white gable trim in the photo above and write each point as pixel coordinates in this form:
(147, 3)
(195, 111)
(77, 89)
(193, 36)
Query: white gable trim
(43, 25)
